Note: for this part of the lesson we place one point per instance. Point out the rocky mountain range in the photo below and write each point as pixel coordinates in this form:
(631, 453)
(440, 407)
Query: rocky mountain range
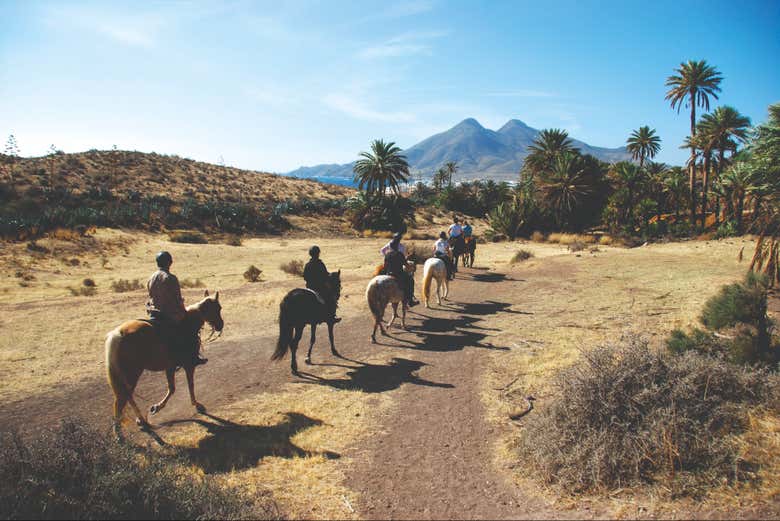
(481, 153)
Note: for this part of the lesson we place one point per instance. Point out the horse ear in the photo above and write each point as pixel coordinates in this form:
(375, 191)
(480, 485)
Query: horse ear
(339, 273)
(206, 293)
(216, 296)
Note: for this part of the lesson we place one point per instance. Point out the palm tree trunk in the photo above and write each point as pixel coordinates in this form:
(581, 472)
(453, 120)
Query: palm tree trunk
(705, 189)
(692, 168)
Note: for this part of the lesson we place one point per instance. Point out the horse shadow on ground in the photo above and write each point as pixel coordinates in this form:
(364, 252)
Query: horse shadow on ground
(373, 378)
(493, 277)
(233, 446)
(489, 307)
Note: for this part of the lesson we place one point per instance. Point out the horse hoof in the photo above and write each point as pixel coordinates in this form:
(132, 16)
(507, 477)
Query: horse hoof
(154, 409)
(308, 361)
(143, 425)
(200, 408)
(373, 340)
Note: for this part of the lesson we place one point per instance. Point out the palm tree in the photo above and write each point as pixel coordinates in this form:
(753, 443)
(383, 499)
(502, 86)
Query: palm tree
(739, 181)
(721, 130)
(549, 144)
(627, 176)
(382, 168)
(564, 186)
(643, 144)
(692, 86)
(451, 167)
(656, 172)
(675, 187)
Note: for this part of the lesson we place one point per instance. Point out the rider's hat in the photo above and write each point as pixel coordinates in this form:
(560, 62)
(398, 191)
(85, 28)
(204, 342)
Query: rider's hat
(164, 259)
(442, 235)
(314, 251)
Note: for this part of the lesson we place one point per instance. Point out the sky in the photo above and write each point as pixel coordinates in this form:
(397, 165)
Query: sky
(273, 86)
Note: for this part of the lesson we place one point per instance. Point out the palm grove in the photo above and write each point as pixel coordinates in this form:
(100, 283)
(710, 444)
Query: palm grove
(729, 184)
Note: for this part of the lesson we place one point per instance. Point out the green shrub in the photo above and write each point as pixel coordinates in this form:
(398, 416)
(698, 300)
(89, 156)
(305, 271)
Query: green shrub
(189, 237)
(76, 473)
(726, 229)
(742, 302)
(627, 415)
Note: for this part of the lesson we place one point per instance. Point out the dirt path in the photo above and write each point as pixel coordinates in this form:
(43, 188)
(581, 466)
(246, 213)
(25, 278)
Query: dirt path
(433, 457)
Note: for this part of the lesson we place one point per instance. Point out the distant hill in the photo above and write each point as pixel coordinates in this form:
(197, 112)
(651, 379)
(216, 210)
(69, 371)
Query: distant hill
(481, 153)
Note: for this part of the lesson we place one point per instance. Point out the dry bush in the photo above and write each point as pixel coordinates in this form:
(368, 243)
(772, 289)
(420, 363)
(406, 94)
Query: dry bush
(189, 283)
(293, 267)
(189, 237)
(520, 256)
(627, 415)
(123, 285)
(538, 237)
(606, 240)
(233, 240)
(576, 246)
(76, 473)
(418, 252)
(421, 236)
(34, 247)
(88, 288)
(252, 273)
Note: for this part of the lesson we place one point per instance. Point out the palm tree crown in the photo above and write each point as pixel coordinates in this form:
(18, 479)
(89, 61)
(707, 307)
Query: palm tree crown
(643, 144)
(384, 167)
(724, 127)
(693, 85)
(549, 144)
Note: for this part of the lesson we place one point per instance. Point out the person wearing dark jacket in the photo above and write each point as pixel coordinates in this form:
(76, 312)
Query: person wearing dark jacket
(395, 261)
(316, 275)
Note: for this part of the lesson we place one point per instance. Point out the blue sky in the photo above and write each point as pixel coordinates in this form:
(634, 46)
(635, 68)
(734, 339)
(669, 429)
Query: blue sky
(276, 85)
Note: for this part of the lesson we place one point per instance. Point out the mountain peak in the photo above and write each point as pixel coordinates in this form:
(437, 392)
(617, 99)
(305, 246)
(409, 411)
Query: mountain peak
(469, 122)
(513, 124)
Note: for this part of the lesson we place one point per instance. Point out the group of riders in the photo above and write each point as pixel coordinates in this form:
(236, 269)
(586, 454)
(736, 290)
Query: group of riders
(166, 304)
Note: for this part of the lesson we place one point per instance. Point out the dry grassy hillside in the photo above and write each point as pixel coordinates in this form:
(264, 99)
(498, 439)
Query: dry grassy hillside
(162, 175)
(151, 191)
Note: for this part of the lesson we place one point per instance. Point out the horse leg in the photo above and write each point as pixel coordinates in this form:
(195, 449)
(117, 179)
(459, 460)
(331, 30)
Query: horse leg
(438, 289)
(446, 289)
(170, 374)
(395, 312)
(190, 371)
(403, 315)
(294, 347)
(311, 343)
(330, 337)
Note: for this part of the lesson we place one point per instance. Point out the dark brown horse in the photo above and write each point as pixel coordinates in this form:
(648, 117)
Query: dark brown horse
(470, 251)
(302, 307)
(135, 347)
(458, 247)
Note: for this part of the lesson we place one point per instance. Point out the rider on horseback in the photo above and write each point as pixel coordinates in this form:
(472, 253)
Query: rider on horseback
(455, 233)
(388, 248)
(166, 309)
(441, 250)
(316, 276)
(467, 231)
(395, 261)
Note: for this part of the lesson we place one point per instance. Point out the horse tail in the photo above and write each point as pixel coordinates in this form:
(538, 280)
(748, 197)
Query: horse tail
(427, 278)
(116, 379)
(373, 300)
(285, 332)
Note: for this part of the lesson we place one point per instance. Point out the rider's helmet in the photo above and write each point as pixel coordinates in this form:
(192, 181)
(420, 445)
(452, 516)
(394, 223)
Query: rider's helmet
(164, 259)
(443, 235)
(314, 251)
(455, 220)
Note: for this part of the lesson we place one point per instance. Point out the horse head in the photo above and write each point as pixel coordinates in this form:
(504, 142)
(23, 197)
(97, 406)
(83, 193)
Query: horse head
(410, 267)
(211, 311)
(334, 285)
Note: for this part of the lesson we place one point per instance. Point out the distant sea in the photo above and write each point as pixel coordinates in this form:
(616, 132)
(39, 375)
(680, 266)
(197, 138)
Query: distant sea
(344, 181)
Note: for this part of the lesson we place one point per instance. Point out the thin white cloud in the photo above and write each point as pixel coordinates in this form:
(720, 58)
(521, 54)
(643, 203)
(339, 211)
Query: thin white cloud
(271, 96)
(405, 44)
(359, 110)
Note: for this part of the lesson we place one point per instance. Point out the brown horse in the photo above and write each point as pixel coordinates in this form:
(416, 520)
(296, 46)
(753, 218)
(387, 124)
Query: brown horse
(135, 347)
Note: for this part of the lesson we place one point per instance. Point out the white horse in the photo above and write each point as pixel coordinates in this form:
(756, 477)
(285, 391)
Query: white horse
(383, 290)
(435, 268)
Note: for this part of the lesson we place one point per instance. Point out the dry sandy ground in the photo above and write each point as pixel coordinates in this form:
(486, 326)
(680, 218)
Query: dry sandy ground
(415, 427)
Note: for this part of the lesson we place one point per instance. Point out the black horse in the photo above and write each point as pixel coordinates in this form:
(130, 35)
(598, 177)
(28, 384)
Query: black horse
(458, 246)
(301, 307)
(470, 252)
